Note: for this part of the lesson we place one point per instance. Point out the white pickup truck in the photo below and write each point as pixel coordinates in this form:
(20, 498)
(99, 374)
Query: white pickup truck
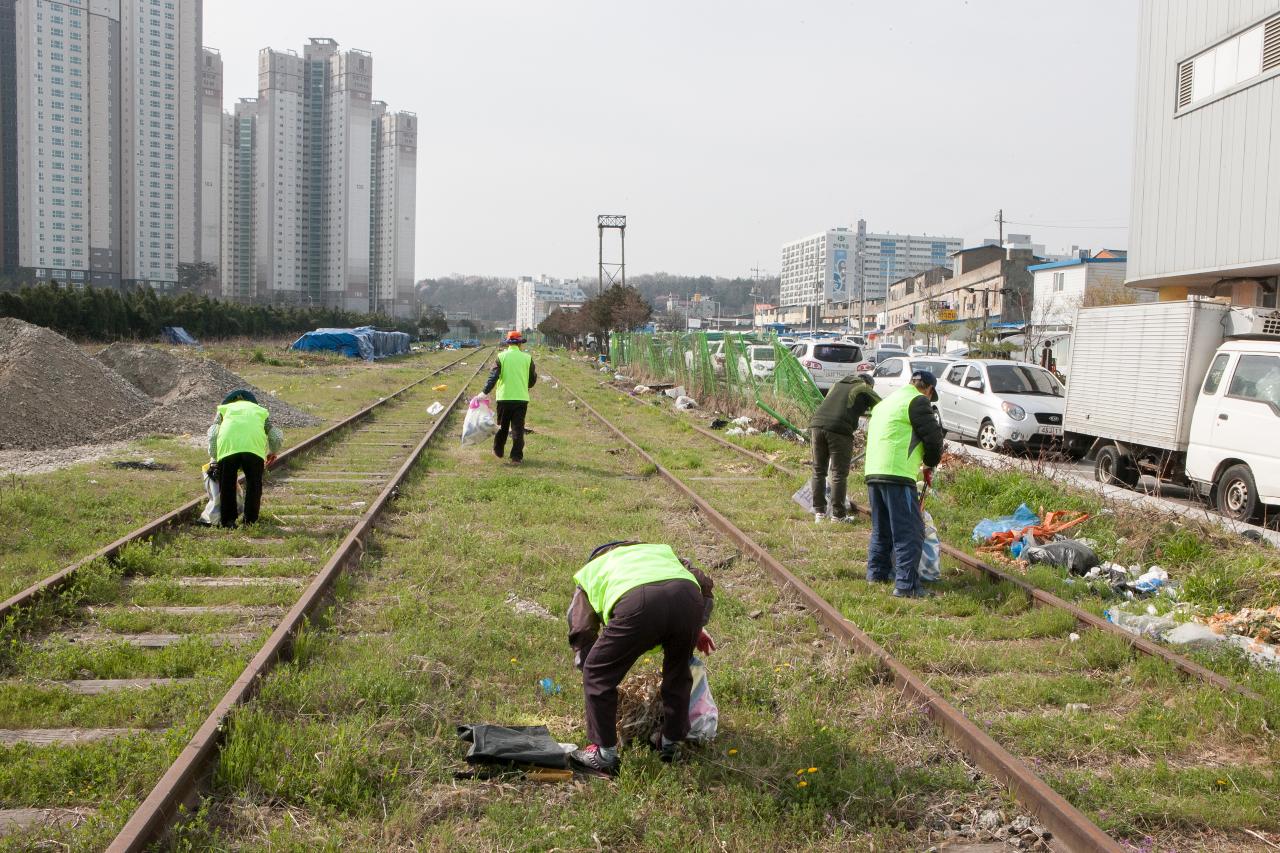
(1187, 392)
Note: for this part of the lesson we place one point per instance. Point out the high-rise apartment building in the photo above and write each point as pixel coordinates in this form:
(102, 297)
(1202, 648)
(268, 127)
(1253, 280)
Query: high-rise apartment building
(883, 259)
(8, 138)
(333, 176)
(538, 297)
(239, 201)
(393, 203)
(211, 156)
(106, 118)
(815, 269)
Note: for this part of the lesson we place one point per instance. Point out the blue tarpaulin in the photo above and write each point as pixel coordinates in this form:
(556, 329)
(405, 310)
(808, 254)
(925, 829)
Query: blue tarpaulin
(364, 342)
(177, 335)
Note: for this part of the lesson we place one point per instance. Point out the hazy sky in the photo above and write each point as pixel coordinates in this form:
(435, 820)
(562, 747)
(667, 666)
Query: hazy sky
(724, 129)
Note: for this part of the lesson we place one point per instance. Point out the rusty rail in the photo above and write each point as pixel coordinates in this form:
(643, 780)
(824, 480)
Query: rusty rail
(180, 782)
(1037, 595)
(1068, 824)
(173, 518)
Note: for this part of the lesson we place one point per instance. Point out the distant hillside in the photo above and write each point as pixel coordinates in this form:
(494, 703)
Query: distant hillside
(492, 299)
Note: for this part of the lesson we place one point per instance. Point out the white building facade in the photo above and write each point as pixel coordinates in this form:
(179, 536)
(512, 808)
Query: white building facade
(883, 259)
(538, 297)
(393, 202)
(1206, 161)
(211, 156)
(1062, 287)
(815, 269)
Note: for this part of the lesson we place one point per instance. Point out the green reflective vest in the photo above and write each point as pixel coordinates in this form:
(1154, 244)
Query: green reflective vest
(513, 378)
(243, 429)
(610, 576)
(889, 451)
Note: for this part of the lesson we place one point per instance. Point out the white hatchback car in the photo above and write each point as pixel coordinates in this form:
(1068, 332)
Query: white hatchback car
(1012, 405)
(829, 361)
(892, 373)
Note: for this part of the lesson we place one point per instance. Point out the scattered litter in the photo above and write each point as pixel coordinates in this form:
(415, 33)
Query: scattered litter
(435, 408)
(620, 377)
(1259, 623)
(1143, 625)
(743, 421)
(1151, 580)
(755, 614)
(988, 527)
(1017, 538)
(528, 608)
(642, 389)
(1077, 708)
(555, 384)
(548, 687)
(439, 387)
(144, 465)
(640, 706)
(1073, 637)
(1077, 557)
(751, 431)
(675, 392)
(573, 404)
(735, 431)
(719, 423)
(358, 504)
(704, 716)
(684, 404)
(480, 422)
(1194, 635)
(512, 745)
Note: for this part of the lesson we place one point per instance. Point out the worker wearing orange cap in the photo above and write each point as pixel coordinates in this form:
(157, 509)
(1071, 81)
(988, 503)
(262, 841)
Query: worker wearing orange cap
(513, 375)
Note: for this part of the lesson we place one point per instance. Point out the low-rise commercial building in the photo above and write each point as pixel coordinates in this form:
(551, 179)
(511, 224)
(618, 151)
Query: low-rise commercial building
(989, 284)
(1060, 288)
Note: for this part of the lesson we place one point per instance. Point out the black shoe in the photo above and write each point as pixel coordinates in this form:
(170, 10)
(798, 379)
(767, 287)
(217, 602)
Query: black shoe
(915, 592)
(667, 753)
(590, 759)
(497, 451)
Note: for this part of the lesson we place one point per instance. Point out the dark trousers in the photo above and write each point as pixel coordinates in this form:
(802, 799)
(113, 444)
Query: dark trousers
(831, 451)
(229, 468)
(897, 534)
(510, 419)
(667, 614)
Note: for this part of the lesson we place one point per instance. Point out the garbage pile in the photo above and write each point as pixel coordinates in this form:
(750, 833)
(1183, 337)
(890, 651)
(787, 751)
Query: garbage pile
(1151, 608)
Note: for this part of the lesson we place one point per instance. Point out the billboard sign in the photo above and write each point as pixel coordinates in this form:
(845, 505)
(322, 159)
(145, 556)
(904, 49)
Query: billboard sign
(836, 287)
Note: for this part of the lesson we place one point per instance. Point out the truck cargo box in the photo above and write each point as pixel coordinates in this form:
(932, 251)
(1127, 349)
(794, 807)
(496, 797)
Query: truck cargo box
(1136, 369)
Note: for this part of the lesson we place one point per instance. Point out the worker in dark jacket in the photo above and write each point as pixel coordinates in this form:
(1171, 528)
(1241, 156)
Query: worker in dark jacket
(831, 435)
(513, 374)
(645, 596)
(904, 440)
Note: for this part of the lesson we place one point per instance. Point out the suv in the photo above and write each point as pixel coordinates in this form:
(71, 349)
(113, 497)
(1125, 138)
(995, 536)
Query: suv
(829, 361)
(892, 373)
(1011, 405)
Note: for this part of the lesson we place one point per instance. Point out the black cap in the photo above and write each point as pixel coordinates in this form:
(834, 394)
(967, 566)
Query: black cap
(925, 376)
(239, 394)
(609, 546)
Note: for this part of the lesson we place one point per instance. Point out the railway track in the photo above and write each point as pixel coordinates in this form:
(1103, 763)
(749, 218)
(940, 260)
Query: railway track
(999, 674)
(169, 628)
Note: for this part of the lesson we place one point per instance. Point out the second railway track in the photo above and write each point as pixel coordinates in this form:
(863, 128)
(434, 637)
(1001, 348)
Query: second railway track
(103, 686)
(1151, 756)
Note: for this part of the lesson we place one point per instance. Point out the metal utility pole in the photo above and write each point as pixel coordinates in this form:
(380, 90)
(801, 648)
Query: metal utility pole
(999, 218)
(615, 273)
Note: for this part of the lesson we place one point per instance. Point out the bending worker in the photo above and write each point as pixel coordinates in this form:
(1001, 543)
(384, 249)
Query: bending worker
(831, 433)
(645, 596)
(513, 375)
(904, 435)
(242, 438)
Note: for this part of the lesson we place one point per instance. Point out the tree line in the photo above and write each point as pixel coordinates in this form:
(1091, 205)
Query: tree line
(618, 309)
(95, 314)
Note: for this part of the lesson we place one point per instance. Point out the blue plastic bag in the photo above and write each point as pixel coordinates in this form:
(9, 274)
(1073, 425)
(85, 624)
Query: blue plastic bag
(989, 527)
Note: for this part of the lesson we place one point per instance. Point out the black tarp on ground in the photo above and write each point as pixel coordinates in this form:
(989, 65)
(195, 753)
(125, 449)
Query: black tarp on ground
(512, 745)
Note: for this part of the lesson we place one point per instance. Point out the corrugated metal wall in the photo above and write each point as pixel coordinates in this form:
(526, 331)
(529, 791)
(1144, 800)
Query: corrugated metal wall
(1206, 184)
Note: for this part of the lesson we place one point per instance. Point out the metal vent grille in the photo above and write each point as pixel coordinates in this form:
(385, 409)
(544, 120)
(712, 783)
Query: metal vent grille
(1271, 324)
(1186, 77)
(1271, 45)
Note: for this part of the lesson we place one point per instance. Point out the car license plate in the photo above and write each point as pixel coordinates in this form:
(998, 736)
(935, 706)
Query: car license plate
(1051, 430)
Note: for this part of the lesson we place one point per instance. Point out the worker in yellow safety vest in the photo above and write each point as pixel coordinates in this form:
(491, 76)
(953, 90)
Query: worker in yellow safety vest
(644, 596)
(513, 374)
(242, 438)
(904, 440)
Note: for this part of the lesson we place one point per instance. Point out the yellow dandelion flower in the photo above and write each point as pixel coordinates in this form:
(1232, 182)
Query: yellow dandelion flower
(800, 772)
(733, 752)
(802, 784)
(813, 770)
(513, 660)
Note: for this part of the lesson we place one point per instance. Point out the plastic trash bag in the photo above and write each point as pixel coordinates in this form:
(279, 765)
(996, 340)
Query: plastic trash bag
(686, 403)
(502, 745)
(212, 514)
(435, 408)
(989, 527)
(931, 556)
(1077, 557)
(1195, 635)
(480, 422)
(1143, 625)
(704, 715)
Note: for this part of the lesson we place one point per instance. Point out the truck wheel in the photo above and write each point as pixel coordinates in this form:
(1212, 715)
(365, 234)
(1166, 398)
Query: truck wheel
(988, 438)
(1115, 468)
(1238, 494)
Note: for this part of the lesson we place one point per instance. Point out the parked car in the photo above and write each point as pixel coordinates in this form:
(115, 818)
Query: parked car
(787, 341)
(857, 340)
(760, 360)
(921, 350)
(828, 361)
(884, 351)
(717, 356)
(1012, 405)
(892, 373)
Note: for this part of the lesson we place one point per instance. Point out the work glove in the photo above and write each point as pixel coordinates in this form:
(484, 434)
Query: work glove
(705, 644)
(928, 477)
(271, 459)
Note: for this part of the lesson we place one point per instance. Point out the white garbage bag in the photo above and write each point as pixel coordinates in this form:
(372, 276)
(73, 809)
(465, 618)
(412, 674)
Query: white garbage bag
(931, 556)
(704, 716)
(480, 422)
(212, 514)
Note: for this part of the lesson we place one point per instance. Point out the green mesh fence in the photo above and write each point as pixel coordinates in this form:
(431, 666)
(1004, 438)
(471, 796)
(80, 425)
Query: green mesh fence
(788, 395)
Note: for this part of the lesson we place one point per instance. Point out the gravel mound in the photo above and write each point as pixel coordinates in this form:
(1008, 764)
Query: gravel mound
(54, 395)
(186, 391)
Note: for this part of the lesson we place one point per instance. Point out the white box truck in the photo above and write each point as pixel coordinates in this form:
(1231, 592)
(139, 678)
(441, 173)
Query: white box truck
(1187, 392)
